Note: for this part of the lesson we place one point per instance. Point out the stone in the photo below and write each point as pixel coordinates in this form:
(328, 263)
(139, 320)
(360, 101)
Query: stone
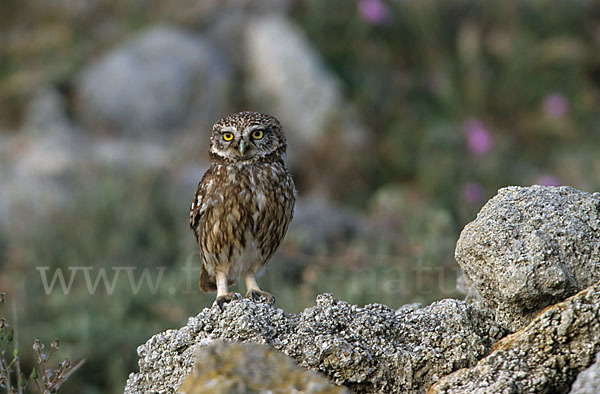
(368, 349)
(210, 13)
(46, 113)
(588, 380)
(531, 247)
(288, 78)
(37, 161)
(229, 19)
(465, 286)
(235, 368)
(544, 357)
(162, 80)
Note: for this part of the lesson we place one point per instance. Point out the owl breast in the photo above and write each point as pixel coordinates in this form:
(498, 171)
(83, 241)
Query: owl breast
(244, 214)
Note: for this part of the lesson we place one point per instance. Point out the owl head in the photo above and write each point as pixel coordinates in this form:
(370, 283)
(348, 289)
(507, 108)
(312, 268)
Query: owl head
(247, 137)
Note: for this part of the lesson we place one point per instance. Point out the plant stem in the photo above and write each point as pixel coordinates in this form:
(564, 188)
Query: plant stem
(6, 373)
(71, 372)
(37, 384)
(16, 338)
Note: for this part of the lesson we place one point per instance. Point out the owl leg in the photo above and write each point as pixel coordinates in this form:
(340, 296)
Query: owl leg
(223, 296)
(255, 293)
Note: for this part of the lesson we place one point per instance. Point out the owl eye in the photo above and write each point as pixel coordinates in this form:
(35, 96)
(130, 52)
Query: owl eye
(257, 134)
(227, 136)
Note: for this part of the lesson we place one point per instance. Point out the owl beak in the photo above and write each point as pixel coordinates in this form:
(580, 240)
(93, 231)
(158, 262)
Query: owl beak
(243, 147)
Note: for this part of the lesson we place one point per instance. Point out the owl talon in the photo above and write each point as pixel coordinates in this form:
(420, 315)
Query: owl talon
(261, 296)
(226, 298)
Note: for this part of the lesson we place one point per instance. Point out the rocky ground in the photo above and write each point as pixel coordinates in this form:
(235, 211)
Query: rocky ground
(371, 349)
(544, 357)
(531, 247)
(531, 265)
(250, 368)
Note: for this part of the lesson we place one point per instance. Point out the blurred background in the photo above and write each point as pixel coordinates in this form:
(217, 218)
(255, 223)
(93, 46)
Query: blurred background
(403, 118)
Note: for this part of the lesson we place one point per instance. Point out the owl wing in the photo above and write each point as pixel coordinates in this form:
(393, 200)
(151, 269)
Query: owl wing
(198, 206)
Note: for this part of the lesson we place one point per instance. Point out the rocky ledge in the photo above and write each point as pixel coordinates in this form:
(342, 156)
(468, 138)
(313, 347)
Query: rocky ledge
(530, 323)
(371, 349)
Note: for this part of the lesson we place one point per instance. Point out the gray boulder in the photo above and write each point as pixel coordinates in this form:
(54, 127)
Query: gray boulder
(287, 77)
(544, 357)
(162, 80)
(36, 161)
(211, 12)
(43, 164)
(228, 20)
(588, 381)
(236, 368)
(46, 113)
(530, 247)
(465, 286)
(368, 349)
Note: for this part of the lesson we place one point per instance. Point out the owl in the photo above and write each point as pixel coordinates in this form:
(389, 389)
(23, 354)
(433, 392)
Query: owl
(243, 204)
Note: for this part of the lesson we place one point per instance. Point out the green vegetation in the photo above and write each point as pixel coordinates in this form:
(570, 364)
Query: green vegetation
(464, 97)
(43, 377)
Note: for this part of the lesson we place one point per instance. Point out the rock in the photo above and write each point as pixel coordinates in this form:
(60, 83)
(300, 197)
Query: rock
(530, 247)
(544, 357)
(36, 161)
(43, 171)
(228, 21)
(588, 380)
(372, 349)
(46, 113)
(127, 155)
(43, 166)
(369, 349)
(287, 77)
(413, 306)
(212, 12)
(228, 368)
(465, 286)
(164, 79)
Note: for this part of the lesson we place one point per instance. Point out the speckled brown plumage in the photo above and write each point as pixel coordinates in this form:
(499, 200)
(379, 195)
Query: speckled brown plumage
(244, 203)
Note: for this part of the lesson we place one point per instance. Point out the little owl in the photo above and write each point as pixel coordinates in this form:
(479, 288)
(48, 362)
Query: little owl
(244, 203)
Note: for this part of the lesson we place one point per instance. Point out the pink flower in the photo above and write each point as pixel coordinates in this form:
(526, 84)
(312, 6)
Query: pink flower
(555, 105)
(473, 193)
(479, 138)
(548, 180)
(373, 11)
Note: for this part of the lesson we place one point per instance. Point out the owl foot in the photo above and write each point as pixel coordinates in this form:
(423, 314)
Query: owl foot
(260, 296)
(226, 298)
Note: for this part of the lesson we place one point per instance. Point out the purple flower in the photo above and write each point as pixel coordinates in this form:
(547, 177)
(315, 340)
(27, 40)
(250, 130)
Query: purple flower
(373, 11)
(548, 180)
(473, 193)
(479, 138)
(555, 105)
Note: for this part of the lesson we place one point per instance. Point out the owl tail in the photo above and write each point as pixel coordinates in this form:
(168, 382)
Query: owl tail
(208, 283)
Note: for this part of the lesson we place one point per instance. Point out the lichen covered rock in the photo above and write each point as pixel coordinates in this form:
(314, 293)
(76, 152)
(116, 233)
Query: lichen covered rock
(544, 357)
(588, 380)
(235, 368)
(531, 247)
(527, 249)
(368, 349)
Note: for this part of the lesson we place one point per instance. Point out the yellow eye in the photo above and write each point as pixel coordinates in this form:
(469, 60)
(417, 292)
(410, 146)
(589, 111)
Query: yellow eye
(227, 136)
(257, 134)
